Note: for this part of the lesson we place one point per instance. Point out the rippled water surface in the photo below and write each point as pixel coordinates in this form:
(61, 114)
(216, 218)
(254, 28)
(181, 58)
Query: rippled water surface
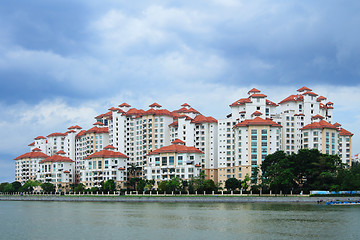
(87, 220)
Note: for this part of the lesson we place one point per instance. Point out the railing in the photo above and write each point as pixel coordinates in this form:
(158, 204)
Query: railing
(160, 193)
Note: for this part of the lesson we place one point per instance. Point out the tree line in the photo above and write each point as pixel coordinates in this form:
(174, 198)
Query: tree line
(305, 171)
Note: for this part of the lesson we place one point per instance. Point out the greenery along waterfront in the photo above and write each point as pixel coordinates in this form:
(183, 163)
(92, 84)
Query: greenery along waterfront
(304, 171)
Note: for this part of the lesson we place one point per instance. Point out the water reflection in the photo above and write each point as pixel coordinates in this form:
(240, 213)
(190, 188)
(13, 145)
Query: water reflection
(60, 220)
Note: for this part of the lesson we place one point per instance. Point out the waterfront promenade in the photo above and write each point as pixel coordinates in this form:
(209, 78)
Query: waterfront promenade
(173, 198)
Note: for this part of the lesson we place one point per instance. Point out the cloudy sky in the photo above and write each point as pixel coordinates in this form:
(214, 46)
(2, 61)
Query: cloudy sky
(64, 62)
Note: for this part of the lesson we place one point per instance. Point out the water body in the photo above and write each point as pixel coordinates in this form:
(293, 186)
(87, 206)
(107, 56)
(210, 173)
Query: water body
(94, 220)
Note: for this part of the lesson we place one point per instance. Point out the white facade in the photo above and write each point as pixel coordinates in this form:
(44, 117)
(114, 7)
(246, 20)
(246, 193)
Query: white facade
(225, 143)
(102, 166)
(58, 170)
(176, 160)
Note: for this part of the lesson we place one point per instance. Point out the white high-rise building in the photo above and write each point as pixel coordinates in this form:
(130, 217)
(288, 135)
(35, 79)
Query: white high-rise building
(231, 147)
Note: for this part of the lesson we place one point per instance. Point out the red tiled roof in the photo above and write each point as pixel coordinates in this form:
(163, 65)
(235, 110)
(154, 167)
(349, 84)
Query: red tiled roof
(158, 112)
(109, 147)
(197, 165)
(175, 148)
(98, 123)
(258, 121)
(57, 135)
(317, 116)
(114, 109)
(175, 115)
(203, 119)
(121, 111)
(81, 133)
(337, 124)
(155, 105)
(300, 114)
(75, 127)
(40, 137)
(256, 113)
(178, 141)
(31, 144)
(106, 154)
(329, 103)
(304, 89)
(134, 111)
(108, 114)
(70, 131)
(254, 90)
(181, 110)
(124, 105)
(60, 152)
(192, 110)
(35, 153)
(174, 124)
(241, 101)
(344, 132)
(66, 171)
(293, 98)
(310, 93)
(98, 130)
(268, 102)
(319, 99)
(121, 168)
(258, 95)
(319, 125)
(56, 158)
(185, 105)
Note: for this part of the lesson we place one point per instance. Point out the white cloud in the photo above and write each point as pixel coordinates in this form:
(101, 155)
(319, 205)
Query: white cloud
(23, 122)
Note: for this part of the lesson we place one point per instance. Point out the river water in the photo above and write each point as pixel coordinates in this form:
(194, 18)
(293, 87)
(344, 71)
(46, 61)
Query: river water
(94, 220)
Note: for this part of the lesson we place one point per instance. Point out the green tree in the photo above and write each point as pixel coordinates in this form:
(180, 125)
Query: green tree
(29, 186)
(79, 188)
(109, 185)
(48, 187)
(140, 186)
(232, 184)
(277, 169)
(16, 185)
(8, 188)
(149, 185)
(163, 186)
(94, 190)
(174, 184)
(245, 183)
(200, 184)
(132, 182)
(306, 170)
(2, 186)
(132, 169)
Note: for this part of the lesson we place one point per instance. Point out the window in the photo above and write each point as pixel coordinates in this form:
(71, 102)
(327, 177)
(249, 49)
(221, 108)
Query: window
(171, 160)
(180, 160)
(106, 163)
(164, 161)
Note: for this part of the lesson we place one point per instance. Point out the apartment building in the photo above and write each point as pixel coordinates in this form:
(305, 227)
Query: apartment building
(89, 142)
(175, 160)
(104, 165)
(27, 165)
(58, 170)
(231, 147)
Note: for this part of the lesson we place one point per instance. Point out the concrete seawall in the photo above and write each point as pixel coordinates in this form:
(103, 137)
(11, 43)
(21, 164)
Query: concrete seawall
(210, 199)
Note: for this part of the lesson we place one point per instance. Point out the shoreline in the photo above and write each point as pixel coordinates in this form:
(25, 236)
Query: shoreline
(176, 199)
